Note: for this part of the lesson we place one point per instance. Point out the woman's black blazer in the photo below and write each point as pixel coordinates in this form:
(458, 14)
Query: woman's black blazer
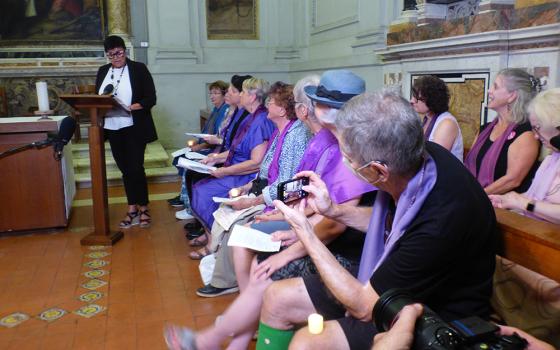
(143, 92)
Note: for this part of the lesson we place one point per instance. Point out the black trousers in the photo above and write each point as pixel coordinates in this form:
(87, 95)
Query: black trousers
(128, 151)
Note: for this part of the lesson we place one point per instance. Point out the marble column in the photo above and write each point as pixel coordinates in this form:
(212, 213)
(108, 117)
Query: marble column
(118, 18)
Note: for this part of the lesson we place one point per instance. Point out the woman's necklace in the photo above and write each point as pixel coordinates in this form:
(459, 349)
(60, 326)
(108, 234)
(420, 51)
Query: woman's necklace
(118, 80)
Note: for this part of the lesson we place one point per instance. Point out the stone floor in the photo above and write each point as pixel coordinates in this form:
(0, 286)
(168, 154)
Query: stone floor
(150, 282)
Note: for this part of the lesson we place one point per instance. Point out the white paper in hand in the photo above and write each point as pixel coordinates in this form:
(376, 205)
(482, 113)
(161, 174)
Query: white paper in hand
(196, 135)
(247, 237)
(194, 155)
(180, 152)
(195, 166)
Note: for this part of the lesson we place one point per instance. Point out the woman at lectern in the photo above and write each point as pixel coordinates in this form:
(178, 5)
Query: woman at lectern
(131, 127)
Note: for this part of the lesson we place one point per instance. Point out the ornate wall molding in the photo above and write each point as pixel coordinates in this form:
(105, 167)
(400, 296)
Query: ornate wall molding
(317, 27)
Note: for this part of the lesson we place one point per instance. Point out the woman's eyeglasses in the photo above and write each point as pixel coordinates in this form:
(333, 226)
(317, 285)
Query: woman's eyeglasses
(116, 54)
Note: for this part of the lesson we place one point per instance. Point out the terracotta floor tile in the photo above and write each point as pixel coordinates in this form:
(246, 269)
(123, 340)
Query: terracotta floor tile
(57, 342)
(25, 344)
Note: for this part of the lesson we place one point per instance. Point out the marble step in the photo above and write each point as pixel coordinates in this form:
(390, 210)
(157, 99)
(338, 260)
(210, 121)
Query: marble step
(154, 175)
(155, 157)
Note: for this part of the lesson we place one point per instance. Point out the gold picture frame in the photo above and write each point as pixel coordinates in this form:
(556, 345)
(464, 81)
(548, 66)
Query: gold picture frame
(232, 19)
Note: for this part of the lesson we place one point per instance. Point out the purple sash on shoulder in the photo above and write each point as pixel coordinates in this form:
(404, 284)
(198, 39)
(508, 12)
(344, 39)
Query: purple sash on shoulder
(241, 133)
(430, 128)
(485, 175)
(273, 169)
(316, 147)
(543, 179)
(375, 249)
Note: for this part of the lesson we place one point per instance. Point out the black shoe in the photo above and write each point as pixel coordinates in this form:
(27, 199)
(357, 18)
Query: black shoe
(176, 202)
(193, 226)
(194, 234)
(209, 291)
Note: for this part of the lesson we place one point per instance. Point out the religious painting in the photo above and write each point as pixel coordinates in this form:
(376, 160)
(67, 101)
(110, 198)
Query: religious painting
(468, 101)
(39, 22)
(232, 19)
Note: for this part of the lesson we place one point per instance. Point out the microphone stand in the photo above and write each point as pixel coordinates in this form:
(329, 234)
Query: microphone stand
(38, 145)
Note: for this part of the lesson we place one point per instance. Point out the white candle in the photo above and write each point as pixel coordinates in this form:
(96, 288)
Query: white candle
(191, 143)
(234, 192)
(42, 96)
(315, 324)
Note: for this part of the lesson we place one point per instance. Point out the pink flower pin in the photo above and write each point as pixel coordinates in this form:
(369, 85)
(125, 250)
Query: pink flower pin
(511, 135)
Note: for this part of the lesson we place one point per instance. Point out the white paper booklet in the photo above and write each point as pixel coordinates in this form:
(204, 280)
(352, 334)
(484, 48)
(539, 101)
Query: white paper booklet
(243, 236)
(121, 103)
(180, 152)
(195, 166)
(226, 200)
(226, 216)
(194, 155)
(196, 135)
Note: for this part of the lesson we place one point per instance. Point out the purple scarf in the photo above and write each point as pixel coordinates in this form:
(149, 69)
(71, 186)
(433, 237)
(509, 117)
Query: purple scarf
(240, 134)
(485, 175)
(543, 179)
(375, 250)
(430, 126)
(273, 169)
(317, 146)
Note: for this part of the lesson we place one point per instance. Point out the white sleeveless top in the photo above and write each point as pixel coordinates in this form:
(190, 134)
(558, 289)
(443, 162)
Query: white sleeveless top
(457, 148)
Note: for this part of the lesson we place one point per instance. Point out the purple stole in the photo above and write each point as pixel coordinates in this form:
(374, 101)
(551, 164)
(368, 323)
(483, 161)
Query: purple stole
(273, 169)
(485, 174)
(430, 126)
(241, 133)
(376, 249)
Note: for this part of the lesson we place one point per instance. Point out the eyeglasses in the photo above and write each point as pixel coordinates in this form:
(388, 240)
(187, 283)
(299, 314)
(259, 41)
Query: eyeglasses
(357, 172)
(115, 54)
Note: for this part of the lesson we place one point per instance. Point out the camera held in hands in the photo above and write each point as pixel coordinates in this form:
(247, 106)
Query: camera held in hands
(431, 332)
(292, 190)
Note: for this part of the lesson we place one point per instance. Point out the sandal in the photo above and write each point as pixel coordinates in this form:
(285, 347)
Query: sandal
(131, 220)
(200, 241)
(199, 254)
(147, 221)
(179, 338)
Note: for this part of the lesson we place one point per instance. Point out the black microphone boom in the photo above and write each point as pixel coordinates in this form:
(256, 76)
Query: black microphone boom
(108, 89)
(67, 127)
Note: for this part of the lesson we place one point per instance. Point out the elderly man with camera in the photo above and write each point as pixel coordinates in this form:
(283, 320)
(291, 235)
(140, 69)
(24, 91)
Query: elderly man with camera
(431, 231)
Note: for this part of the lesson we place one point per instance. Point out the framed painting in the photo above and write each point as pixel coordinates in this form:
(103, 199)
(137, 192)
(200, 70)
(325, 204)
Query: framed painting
(51, 22)
(232, 19)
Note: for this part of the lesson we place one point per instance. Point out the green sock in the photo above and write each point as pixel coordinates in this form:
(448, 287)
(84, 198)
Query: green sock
(273, 339)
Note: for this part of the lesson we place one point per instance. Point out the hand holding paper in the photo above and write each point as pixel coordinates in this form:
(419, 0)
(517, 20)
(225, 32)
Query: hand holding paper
(195, 166)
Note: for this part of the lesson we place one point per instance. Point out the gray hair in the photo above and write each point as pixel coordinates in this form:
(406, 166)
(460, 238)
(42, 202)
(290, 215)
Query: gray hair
(300, 95)
(257, 86)
(382, 126)
(525, 85)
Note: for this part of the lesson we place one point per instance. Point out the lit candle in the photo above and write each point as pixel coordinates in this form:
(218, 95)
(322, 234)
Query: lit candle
(315, 323)
(42, 96)
(234, 192)
(191, 143)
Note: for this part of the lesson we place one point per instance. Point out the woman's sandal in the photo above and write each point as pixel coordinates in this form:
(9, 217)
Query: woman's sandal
(147, 221)
(200, 241)
(199, 254)
(131, 220)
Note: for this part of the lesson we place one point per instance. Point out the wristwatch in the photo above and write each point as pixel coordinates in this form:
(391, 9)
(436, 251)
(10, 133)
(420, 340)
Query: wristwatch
(530, 206)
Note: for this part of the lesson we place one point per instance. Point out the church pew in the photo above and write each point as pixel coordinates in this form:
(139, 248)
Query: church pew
(531, 243)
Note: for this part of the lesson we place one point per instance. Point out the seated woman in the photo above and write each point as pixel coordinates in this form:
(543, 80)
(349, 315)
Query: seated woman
(217, 91)
(243, 159)
(430, 98)
(234, 115)
(240, 319)
(534, 293)
(504, 156)
(542, 200)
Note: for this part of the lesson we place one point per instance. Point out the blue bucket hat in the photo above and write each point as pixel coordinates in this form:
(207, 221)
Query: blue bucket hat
(336, 87)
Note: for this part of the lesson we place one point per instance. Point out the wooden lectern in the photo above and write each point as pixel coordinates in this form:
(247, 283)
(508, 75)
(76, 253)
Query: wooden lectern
(96, 105)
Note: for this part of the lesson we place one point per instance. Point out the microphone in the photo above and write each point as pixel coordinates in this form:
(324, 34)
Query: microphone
(67, 127)
(108, 89)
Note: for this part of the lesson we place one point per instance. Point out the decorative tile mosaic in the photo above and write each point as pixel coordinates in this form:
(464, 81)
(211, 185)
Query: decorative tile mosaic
(97, 255)
(91, 297)
(94, 284)
(95, 273)
(97, 263)
(90, 310)
(52, 314)
(97, 247)
(13, 320)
